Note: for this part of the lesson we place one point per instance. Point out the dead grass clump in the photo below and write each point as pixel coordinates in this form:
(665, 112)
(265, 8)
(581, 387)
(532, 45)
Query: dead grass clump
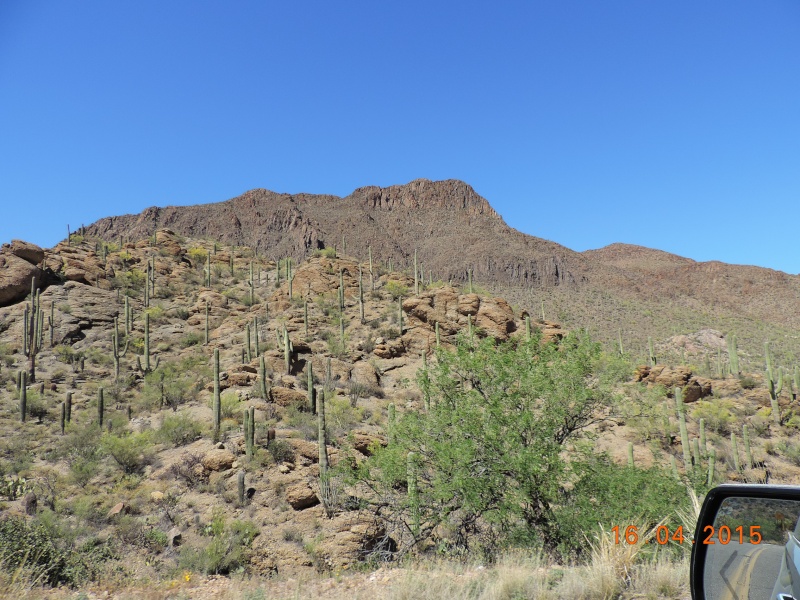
(661, 578)
(514, 576)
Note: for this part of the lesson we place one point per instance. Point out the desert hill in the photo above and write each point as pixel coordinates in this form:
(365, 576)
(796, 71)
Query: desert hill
(625, 289)
(154, 477)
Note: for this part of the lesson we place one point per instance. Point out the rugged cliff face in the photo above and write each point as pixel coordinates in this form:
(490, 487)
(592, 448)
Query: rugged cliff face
(451, 227)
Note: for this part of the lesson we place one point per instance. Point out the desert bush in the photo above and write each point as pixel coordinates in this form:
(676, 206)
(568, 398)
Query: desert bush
(606, 494)
(747, 382)
(790, 451)
(186, 469)
(81, 450)
(298, 417)
(717, 415)
(325, 253)
(179, 430)
(227, 550)
(341, 416)
(44, 558)
(198, 256)
(37, 405)
(192, 339)
(396, 289)
(132, 452)
(281, 451)
(490, 452)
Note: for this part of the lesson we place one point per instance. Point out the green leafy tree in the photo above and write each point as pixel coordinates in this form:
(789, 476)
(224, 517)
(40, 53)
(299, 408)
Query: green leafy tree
(490, 452)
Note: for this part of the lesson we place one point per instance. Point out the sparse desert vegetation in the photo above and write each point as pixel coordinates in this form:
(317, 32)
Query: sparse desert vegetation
(183, 417)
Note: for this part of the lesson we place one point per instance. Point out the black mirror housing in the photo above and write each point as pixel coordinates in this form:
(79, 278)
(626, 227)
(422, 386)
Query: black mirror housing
(746, 544)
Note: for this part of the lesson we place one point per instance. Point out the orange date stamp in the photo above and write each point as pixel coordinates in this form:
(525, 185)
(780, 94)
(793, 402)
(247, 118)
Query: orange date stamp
(663, 535)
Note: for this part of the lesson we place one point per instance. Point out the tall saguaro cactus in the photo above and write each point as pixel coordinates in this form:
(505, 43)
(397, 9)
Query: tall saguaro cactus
(31, 335)
(287, 351)
(324, 476)
(216, 405)
(371, 273)
(687, 454)
(115, 346)
(23, 396)
(360, 295)
(733, 355)
(774, 386)
(147, 366)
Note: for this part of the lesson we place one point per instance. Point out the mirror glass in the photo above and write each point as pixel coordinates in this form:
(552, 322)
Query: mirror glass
(753, 551)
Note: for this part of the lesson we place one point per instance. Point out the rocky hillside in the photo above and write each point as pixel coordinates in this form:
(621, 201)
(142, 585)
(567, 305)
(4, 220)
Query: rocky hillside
(138, 483)
(172, 482)
(634, 291)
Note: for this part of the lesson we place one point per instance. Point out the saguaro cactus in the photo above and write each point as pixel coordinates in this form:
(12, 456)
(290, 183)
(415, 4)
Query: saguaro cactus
(287, 351)
(23, 397)
(147, 367)
(733, 355)
(262, 377)
(748, 455)
(310, 386)
(247, 337)
(31, 336)
(687, 455)
(100, 407)
(400, 314)
(249, 426)
(324, 477)
(216, 405)
(703, 438)
(735, 452)
(115, 348)
(360, 296)
(416, 274)
(371, 273)
(651, 351)
(206, 338)
(773, 386)
(251, 284)
(240, 486)
(712, 459)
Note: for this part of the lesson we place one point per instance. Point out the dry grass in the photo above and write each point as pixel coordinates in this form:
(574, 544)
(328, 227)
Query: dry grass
(515, 576)
(661, 578)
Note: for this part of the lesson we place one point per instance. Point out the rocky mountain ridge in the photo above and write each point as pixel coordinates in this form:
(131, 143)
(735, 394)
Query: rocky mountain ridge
(635, 291)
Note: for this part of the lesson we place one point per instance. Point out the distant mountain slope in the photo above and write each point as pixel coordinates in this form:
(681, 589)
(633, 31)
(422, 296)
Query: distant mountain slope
(453, 229)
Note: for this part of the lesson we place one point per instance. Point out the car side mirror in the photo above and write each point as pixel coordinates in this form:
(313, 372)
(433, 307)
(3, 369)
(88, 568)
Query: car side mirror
(746, 544)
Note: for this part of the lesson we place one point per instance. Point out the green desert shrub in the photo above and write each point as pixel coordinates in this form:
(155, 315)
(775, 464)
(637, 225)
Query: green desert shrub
(179, 430)
(718, 415)
(32, 549)
(226, 550)
(132, 452)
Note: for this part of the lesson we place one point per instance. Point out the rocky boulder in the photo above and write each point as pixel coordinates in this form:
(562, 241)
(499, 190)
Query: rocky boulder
(15, 277)
(300, 496)
(26, 251)
(218, 460)
(693, 388)
(283, 396)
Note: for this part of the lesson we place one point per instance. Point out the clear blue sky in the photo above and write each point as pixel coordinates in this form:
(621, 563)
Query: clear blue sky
(673, 124)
